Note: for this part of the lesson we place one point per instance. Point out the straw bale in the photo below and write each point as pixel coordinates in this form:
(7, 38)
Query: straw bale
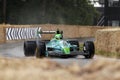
(44, 69)
(108, 40)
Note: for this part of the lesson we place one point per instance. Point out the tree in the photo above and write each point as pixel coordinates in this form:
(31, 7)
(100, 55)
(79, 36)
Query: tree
(78, 12)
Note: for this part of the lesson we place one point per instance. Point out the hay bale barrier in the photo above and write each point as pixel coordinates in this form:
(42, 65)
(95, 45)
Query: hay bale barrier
(108, 41)
(69, 31)
(44, 69)
(2, 34)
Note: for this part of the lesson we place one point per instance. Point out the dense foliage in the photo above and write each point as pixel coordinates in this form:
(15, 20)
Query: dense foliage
(78, 12)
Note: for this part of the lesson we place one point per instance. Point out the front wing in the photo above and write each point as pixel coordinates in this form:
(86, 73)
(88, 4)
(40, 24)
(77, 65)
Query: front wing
(60, 54)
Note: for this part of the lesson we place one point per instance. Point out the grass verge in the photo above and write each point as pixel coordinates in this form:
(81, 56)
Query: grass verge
(81, 47)
(107, 54)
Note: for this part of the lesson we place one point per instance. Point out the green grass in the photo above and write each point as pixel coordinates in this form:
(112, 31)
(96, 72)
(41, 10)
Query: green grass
(81, 47)
(108, 54)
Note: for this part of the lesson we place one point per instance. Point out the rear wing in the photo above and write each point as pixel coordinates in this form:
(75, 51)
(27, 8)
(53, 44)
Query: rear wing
(46, 32)
(39, 32)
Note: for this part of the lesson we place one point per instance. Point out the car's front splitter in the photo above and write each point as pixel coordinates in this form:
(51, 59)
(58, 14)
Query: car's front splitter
(61, 54)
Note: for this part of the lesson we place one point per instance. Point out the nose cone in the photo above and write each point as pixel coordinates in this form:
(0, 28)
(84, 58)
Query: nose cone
(66, 50)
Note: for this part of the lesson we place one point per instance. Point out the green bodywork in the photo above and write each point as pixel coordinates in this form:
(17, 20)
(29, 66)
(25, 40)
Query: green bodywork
(59, 46)
(66, 50)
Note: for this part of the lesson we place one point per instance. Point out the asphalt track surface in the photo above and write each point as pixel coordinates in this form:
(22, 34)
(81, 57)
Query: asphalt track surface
(15, 50)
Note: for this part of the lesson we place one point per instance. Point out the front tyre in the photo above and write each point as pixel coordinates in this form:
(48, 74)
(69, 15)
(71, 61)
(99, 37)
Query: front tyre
(29, 48)
(89, 48)
(40, 50)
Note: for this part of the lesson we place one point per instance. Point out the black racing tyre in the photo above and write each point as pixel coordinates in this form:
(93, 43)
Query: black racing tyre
(89, 48)
(74, 43)
(29, 48)
(40, 50)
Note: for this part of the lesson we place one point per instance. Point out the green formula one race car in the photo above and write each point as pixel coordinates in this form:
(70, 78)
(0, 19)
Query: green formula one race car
(58, 47)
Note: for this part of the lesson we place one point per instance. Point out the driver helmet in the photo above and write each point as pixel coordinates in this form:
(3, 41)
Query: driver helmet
(57, 36)
(58, 32)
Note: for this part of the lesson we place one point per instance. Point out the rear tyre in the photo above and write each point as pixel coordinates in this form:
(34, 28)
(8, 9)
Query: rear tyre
(29, 48)
(75, 43)
(89, 49)
(40, 50)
